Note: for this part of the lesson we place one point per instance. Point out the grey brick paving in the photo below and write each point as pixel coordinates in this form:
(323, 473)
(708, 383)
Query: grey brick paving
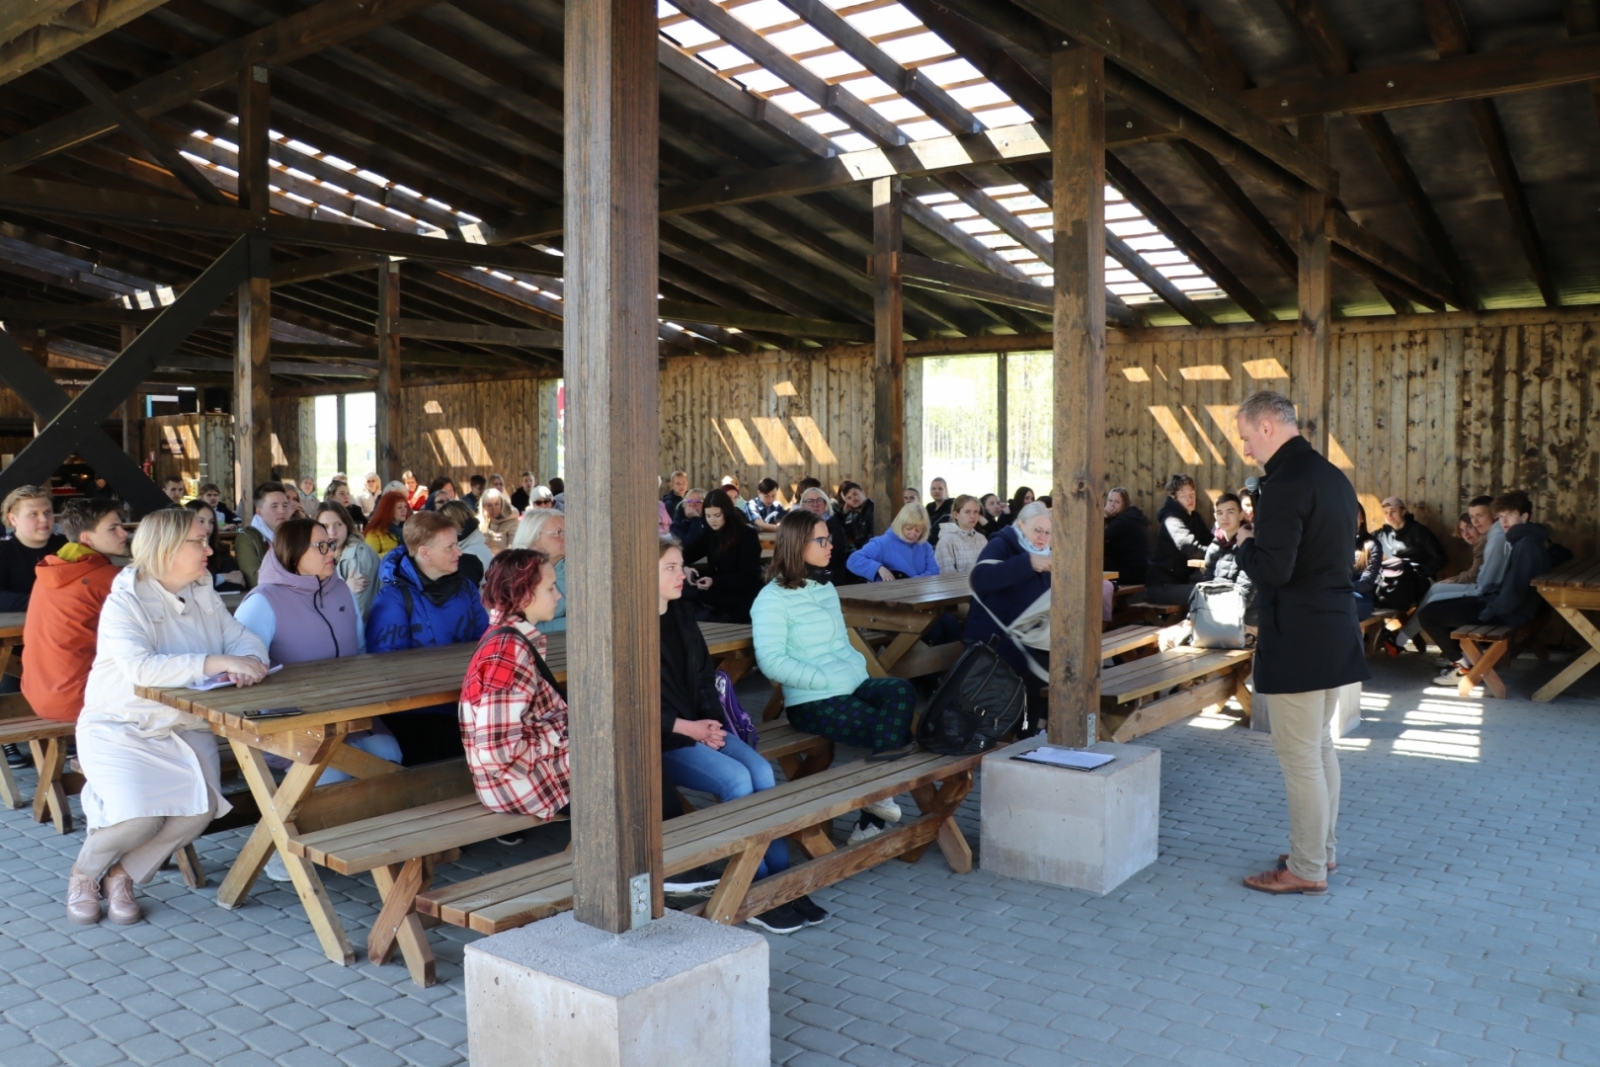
(1461, 929)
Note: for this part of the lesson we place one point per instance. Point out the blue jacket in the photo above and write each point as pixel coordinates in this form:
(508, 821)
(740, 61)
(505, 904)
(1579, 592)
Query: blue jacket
(1006, 588)
(801, 643)
(403, 616)
(891, 550)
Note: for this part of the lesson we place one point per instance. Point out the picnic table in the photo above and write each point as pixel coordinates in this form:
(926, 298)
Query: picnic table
(338, 697)
(10, 635)
(1571, 590)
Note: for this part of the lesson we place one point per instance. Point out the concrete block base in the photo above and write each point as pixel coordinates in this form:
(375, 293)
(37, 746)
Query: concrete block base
(1345, 720)
(558, 994)
(1081, 829)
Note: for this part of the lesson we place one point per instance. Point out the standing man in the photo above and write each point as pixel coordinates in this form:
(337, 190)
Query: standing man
(1309, 643)
(272, 508)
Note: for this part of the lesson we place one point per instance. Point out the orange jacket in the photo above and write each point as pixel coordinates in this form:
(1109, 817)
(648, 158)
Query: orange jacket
(59, 637)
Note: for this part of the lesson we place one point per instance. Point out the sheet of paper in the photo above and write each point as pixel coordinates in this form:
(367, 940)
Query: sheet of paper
(218, 681)
(1067, 757)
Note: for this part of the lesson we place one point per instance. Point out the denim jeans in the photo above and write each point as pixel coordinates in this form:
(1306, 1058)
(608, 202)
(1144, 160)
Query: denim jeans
(381, 745)
(733, 771)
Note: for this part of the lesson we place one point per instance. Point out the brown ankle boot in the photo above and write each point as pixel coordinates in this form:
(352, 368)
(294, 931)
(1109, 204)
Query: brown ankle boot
(83, 898)
(121, 908)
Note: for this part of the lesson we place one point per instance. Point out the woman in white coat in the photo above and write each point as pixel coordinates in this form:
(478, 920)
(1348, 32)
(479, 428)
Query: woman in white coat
(154, 780)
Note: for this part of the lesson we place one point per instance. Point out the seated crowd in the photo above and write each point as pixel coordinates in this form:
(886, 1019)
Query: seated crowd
(403, 566)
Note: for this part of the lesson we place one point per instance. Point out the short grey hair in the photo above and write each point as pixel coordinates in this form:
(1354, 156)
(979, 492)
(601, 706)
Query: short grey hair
(531, 528)
(1269, 405)
(814, 491)
(1032, 510)
(159, 539)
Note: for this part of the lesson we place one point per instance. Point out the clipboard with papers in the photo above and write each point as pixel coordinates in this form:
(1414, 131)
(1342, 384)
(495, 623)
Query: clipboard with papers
(1071, 758)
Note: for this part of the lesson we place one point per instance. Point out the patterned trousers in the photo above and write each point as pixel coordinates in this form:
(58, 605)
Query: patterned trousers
(876, 716)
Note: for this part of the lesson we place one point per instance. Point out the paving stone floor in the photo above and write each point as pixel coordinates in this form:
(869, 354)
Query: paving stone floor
(1461, 929)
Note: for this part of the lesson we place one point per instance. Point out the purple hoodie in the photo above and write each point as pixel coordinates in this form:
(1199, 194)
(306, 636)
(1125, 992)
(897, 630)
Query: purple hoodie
(312, 618)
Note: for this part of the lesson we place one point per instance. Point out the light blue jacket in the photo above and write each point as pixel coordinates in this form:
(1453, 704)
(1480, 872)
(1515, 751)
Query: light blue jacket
(801, 643)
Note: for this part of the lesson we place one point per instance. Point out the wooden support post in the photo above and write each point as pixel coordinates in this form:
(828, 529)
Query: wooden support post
(128, 334)
(1316, 299)
(341, 451)
(889, 351)
(255, 105)
(1077, 137)
(252, 379)
(387, 428)
(612, 241)
(39, 349)
(1002, 428)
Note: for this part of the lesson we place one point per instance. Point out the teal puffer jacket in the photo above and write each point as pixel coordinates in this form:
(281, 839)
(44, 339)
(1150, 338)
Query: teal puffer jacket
(801, 643)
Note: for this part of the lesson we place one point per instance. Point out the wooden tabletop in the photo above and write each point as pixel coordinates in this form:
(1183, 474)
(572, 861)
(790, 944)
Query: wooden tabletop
(910, 592)
(11, 623)
(1577, 572)
(359, 687)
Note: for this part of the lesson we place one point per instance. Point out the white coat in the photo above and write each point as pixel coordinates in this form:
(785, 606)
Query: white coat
(134, 759)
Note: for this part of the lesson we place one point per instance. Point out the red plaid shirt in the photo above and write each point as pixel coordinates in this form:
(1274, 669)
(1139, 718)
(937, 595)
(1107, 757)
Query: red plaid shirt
(514, 727)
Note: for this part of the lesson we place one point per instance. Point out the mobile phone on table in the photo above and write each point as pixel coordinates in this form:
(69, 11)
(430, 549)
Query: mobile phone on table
(271, 713)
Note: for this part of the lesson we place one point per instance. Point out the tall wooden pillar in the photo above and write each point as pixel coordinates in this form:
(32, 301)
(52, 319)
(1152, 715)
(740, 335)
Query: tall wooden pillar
(1315, 344)
(611, 203)
(889, 351)
(387, 423)
(1002, 428)
(1077, 142)
(341, 451)
(128, 335)
(252, 382)
(255, 107)
(39, 349)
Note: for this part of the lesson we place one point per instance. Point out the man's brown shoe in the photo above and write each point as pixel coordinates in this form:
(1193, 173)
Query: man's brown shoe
(1283, 863)
(1284, 882)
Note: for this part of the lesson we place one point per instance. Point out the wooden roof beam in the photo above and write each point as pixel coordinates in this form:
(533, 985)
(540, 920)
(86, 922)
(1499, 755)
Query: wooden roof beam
(1351, 235)
(1226, 189)
(1205, 43)
(42, 33)
(1583, 19)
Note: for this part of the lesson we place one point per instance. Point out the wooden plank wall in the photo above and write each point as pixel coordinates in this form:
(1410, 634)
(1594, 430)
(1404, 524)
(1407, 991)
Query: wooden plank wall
(477, 428)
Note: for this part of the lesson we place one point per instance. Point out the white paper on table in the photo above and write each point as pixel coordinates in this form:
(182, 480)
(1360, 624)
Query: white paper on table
(219, 681)
(1067, 757)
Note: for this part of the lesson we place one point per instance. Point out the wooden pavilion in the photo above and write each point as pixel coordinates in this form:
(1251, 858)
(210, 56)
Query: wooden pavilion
(752, 218)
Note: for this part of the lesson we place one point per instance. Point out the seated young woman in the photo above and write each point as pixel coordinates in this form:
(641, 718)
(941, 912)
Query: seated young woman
(513, 719)
(154, 776)
(901, 551)
(696, 751)
(224, 569)
(802, 644)
(727, 582)
(355, 561)
(385, 529)
(960, 539)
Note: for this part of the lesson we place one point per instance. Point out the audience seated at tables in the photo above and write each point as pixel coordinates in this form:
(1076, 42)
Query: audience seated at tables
(354, 560)
(385, 528)
(1412, 557)
(211, 493)
(59, 635)
(440, 490)
(172, 486)
(305, 491)
(765, 510)
(696, 751)
(339, 493)
(901, 551)
(1019, 500)
(475, 554)
(940, 508)
(689, 522)
(1511, 602)
(993, 509)
(498, 481)
(677, 486)
(856, 512)
(497, 519)
(726, 583)
(911, 495)
(545, 530)
(225, 572)
(153, 773)
(523, 492)
(1365, 569)
(476, 484)
(808, 482)
(541, 498)
(512, 718)
(1489, 555)
(1003, 589)
(1127, 538)
(272, 505)
(1221, 563)
(424, 601)
(801, 644)
(1180, 536)
(416, 493)
(837, 570)
(368, 498)
(28, 512)
(960, 540)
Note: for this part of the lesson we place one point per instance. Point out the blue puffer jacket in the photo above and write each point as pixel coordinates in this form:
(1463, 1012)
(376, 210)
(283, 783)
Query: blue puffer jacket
(1006, 588)
(403, 616)
(801, 643)
(891, 550)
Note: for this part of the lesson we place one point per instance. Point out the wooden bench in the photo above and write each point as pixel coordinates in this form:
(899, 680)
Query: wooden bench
(1485, 645)
(1122, 612)
(1132, 697)
(740, 831)
(47, 741)
(1158, 615)
(1373, 626)
(1126, 639)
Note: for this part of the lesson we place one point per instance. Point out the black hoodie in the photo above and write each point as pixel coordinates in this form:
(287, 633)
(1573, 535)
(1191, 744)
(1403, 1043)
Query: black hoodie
(1414, 543)
(1514, 601)
(1127, 545)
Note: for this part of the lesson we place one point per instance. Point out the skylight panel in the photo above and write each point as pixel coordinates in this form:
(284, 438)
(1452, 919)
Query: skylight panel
(924, 130)
(950, 72)
(1129, 228)
(881, 20)
(1011, 115)
(802, 38)
(833, 66)
(723, 56)
(907, 51)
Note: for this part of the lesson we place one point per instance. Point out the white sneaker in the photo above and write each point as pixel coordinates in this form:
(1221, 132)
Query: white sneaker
(862, 833)
(276, 869)
(887, 810)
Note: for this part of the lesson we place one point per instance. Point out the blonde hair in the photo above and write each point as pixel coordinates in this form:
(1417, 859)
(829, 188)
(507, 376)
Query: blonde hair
(15, 498)
(913, 514)
(532, 526)
(504, 501)
(159, 539)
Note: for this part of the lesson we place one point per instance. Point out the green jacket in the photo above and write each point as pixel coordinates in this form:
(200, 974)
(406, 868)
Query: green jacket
(802, 644)
(248, 548)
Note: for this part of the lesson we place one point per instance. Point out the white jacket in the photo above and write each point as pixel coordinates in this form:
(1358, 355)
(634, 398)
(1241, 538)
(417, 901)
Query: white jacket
(958, 549)
(150, 637)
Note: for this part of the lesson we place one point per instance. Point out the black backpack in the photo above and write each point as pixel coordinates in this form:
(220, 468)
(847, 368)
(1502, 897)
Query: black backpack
(978, 703)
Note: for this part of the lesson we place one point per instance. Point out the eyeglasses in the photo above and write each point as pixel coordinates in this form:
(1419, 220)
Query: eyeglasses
(325, 547)
(825, 540)
(544, 503)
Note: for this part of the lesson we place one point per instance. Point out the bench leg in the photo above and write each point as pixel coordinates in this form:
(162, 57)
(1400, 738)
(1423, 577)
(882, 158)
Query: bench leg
(774, 705)
(942, 803)
(802, 764)
(814, 841)
(194, 875)
(50, 798)
(398, 922)
(1482, 667)
(9, 796)
(1241, 692)
(736, 879)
